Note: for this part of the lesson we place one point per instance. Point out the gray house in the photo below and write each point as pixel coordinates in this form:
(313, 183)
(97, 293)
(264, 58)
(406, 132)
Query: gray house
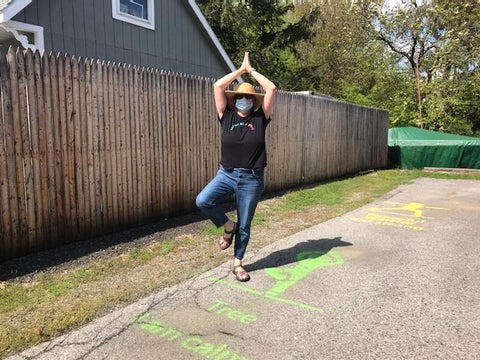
(163, 34)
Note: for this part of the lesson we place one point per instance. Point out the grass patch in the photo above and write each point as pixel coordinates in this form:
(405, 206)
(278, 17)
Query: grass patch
(341, 192)
(53, 303)
(357, 191)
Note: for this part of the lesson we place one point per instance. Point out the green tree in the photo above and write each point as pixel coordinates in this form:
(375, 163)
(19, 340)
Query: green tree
(419, 61)
(453, 104)
(337, 50)
(452, 98)
(439, 42)
(409, 34)
(263, 28)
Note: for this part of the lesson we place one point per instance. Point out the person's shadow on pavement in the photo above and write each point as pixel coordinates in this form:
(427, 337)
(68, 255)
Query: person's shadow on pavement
(290, 255)
(308, 256)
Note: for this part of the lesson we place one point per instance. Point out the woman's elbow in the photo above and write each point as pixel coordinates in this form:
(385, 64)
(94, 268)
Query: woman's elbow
(272, 89)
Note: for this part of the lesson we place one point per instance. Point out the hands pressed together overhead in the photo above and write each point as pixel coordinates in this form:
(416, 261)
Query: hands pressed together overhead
(246, 67)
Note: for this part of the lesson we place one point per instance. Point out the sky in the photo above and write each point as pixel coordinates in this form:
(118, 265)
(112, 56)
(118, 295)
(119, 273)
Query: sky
(397, 3)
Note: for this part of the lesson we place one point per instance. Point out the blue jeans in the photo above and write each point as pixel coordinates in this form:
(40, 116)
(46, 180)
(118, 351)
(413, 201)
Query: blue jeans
(247, 185)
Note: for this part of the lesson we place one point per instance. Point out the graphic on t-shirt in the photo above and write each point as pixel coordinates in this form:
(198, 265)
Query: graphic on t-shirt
(243, 123)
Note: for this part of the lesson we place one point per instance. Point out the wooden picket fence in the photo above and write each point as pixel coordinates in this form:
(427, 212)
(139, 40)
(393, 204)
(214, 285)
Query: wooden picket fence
(89, 148)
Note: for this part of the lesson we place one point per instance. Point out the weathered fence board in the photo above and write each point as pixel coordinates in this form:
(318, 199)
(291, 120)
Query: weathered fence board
(88, 147)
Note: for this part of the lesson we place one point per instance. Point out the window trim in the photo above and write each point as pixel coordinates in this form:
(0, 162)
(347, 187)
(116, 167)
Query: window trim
(149, 23)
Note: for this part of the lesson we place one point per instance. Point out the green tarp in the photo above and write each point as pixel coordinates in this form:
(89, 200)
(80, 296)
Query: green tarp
(410, 147)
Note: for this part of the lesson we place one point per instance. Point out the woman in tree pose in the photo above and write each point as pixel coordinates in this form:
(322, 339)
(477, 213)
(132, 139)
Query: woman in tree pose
(244, 115)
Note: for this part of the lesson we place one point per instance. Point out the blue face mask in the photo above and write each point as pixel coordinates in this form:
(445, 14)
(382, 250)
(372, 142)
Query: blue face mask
(244, 105)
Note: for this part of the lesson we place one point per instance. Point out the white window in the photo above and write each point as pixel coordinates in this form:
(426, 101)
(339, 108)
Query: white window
(138, 12)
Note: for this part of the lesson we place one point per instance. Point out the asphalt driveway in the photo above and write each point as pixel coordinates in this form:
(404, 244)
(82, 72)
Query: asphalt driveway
(395, 279)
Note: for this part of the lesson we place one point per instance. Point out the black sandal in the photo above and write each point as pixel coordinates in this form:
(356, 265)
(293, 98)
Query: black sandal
(225, 241)
(240, 273)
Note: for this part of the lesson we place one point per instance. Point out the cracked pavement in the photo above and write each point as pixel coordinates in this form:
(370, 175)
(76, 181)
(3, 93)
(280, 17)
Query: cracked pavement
(395, 279)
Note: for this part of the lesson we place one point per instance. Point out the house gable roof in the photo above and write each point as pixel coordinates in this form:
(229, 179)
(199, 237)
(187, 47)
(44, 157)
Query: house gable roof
(211, 34)
(9, 8)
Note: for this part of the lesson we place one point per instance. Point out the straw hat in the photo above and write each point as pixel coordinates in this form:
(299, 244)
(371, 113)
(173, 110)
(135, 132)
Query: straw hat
(245, 88)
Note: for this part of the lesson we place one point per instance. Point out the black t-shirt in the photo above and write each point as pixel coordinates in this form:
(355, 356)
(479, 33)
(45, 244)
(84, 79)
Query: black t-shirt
(243, 140)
